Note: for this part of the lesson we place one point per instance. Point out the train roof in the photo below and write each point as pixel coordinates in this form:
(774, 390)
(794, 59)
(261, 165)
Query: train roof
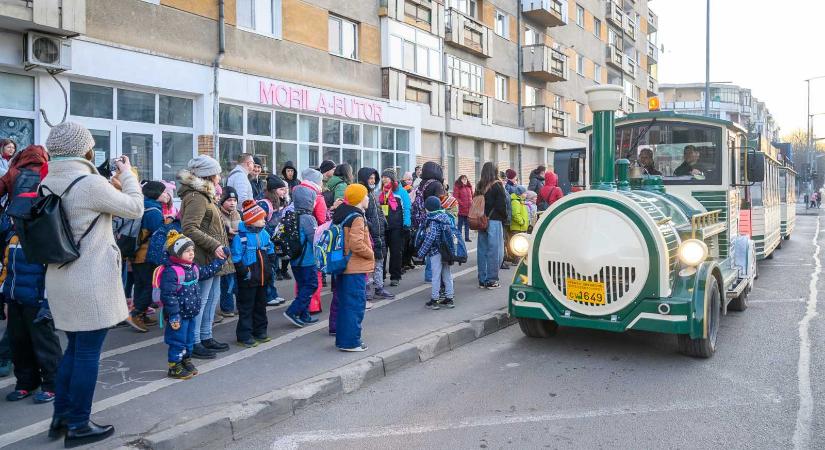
(671, 115)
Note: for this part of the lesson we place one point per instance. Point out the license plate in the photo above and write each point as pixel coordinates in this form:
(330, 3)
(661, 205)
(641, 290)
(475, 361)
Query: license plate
(586, 291)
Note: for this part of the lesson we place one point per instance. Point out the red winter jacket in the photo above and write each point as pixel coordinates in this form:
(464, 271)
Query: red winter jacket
(551, 190)
(464, 195)
(33, 157)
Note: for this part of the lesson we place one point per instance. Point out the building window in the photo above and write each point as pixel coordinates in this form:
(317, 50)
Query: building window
(501, 87)
(417, 12)
(135, 106)
(464, 74)
(597, 73)
(580, 65)
(17, 109)
(468, 7)
(611, 37)
(88, 100)
(557, 102)
(417, 95)
(597, 28)
(261, 16)
(579, 16)
(414, 51)
(580, 113)
(478, 151)
(531, 96)
(471, 108)
(532, 37)
(501, 24)
(343, 37)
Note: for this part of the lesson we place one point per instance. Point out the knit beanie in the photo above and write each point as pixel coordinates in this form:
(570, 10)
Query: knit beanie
(326, 166)
(312, 175)
(177, 243)
(153, 189)
(432, 203)
(390, 173)
(520, 189)
(274, 182)
(354, 193)
(257, 161)
(511, 174)
(69, 139)
(204, 166)
(228, 192)
(252, 212)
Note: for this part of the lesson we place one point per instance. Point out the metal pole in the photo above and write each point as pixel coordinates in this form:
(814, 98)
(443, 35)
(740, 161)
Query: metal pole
(808, 133)
(604, 141)
(707, 61)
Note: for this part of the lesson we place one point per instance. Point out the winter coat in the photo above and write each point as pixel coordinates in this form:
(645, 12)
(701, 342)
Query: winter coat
(290, 182)
(258, 187)
(356, 240)
(496, 203)
(4, 166)
(87, 294)
(239, 179)
(303, 199)
(376, 221)
(231, 221)
(32, 157)
(337, 185)
(432, 184)
(152, 220)
(437, 221)
(510, 186)
(551, 190)
(536, 181)
(320, 208)
(253, 256)
(201, 219)
(22, 281)
(521, 216)
(464, 195)
(184, 299)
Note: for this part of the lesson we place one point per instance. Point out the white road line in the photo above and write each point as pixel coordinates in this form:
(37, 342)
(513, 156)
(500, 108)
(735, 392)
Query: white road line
(779, 300)
(116, 400)
(802, 433)
(292, 442)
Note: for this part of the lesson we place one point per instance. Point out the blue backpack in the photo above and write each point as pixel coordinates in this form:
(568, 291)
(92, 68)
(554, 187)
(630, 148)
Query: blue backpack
(329, 250)
(156, 253)
(452, 248)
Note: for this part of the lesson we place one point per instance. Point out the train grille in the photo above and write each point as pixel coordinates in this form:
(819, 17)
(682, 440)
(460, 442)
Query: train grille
(618, 280)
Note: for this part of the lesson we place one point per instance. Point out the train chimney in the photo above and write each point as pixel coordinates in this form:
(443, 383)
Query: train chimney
(603, 100)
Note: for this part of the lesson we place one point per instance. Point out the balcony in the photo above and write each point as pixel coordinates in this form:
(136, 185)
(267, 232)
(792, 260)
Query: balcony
(652, 21)
(544, 63)
(629, 67)
(614, 14)
(465, 104)
(66, 19)
(652, 53)
(630, 28)
(550, 13)
(468, 34)
(652, 86)
(546, 121)
(615, 57)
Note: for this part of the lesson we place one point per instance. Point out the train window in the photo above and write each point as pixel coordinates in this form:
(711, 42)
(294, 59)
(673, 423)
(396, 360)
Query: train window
(682, 153)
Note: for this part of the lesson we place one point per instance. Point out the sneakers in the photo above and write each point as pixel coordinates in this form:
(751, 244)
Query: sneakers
(492, 285)
(277, 301)
(43, 397)
(382, 293)
(360, 348)
(149, 321)
(5, 368)
(447, 303)
(263, 339)
(201, 352)
(308, 319)
(187, 363)
(248, 343)
(393, 283)
(178, 371)
(18, 395)
(294, 319)
(227, 314)
(137, 323)
(432, 304)
(368, 305)
(218, 319)
(214, 345)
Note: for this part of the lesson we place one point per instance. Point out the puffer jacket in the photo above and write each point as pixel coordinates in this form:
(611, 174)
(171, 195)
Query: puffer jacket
(184, 299)
(536, 181)
(431, 184)
(239, 179)
(253, 256)
(551, 191)
(337, 185)
(22, 281)
(151, 221)
(376, 220)
(303, 201)
(464, 195)
(521, 216)
(201, 220)
(356, 240)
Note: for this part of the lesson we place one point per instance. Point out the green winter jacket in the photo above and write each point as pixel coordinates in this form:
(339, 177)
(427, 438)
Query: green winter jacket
(521, 217)
(337, 185)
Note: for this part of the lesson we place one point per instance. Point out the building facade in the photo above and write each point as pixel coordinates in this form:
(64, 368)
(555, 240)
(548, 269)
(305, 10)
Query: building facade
(379, 83)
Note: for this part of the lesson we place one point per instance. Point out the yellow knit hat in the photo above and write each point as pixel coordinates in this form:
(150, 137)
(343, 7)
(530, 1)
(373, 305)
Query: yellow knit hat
(354, 193)
(177, 243)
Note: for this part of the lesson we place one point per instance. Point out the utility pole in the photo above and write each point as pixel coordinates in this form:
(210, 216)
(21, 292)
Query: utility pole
(707, 61)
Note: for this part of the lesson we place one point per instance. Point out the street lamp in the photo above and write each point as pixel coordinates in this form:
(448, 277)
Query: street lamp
(707, 60)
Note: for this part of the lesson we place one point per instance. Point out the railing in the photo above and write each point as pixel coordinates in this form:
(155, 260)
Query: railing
(544, 62)
(652, 21)
(615, 56)
(546, 120)
(652, 51)
(630, 27)
(615, 14)
(467, 32)
(629, 66)
(550, 13)
(652, 85)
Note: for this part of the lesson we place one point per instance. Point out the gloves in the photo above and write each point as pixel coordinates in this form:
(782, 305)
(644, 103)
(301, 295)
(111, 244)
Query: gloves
(174, 322)
(43, 315)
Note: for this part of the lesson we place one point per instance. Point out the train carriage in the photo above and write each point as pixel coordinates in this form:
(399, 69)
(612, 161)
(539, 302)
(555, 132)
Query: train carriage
(787, 200)
(760, 217)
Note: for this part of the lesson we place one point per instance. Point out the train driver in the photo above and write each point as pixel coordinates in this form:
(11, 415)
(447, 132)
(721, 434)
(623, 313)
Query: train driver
(646, 161)
(689, 166)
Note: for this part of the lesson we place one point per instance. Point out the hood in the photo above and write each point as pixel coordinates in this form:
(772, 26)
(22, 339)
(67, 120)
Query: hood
(149, 203)
(343, 211)
(551, 179)
(304, 198)
(364, 175)
(439, 216)
(333, 180)
(33, 155)
(191, 183)
(432, 171)
(289, 165)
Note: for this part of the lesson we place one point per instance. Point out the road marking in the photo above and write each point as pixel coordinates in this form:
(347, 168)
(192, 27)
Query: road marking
(802, 433)
(116, 400)
(779, 300)
(292, 442)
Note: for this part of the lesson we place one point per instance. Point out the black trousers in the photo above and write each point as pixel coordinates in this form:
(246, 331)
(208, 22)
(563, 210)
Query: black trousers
(396, 245)
(407, 254)
(284, 266)
(142, 274)
(252, 321)
(35, 348)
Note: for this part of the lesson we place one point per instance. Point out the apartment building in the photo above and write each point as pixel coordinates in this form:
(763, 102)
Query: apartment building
(727, 101)
(381, 83)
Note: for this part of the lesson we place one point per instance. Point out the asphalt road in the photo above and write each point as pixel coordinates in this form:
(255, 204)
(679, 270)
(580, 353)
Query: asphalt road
(589, 389)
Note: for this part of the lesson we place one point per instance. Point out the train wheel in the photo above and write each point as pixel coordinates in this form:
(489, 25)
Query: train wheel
(787, 237)
(705, 347)
(740, 303)
(537, 328)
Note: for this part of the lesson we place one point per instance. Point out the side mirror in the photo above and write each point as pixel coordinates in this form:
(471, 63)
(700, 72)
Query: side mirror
(573, 173)
(756, 167)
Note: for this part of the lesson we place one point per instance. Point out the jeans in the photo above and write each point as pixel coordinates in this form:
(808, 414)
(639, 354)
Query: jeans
(428, 270)
(77, 377)
(490, 252)
(252, 320)
(352, 298)
(464, 222)
(395, 244)
(271, 289)
(142, 274)
(35, 347)
(441, 274)
(377, 280)
(228, 291)
(306, 280)
(210, 292)
(180, 341)
(128, 280)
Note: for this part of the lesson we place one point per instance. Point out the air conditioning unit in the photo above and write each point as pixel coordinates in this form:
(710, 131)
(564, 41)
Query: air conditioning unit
(49, 52)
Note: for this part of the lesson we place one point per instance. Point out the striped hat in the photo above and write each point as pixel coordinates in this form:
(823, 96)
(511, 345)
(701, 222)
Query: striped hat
(252, 212)
(177, 243)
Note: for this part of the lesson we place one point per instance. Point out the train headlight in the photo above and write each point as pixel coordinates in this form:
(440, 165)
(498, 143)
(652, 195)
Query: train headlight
(692, 252)
(519, 244)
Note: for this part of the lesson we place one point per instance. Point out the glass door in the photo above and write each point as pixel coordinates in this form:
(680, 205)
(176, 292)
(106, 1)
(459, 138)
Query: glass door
(103, 144)
(140, 144)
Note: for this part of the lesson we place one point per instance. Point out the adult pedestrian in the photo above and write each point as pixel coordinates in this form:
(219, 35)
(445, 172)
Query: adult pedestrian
(536, 179)
(416, 178)
(551, 192)
(7, 150)
(395, 205)
(463, 193)
(327, 168)
(256, 181)
(377, 224)
(86, 296)
(431, 184)
(239, 179)
(491, 240)
(290, 175)
(338, 182)
(202, 222)
(511, 182)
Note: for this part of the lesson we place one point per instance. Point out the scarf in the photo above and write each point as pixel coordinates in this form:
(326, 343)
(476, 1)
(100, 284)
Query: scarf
(387, 197)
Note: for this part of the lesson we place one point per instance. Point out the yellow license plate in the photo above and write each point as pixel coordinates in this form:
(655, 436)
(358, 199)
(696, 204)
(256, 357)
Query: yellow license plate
(586, 291)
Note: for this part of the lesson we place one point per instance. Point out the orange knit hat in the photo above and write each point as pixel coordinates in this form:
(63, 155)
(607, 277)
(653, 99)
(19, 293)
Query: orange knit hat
(252, 213)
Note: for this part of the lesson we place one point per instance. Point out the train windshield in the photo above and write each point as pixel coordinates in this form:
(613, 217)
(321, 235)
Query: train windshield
(682, 153)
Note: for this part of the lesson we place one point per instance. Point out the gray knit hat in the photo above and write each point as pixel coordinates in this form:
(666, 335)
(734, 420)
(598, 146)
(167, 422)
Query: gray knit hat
(204, 166)
(69, 139)
(312, 175)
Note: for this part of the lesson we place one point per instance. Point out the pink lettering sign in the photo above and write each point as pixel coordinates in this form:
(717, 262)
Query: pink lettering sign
(317, 101)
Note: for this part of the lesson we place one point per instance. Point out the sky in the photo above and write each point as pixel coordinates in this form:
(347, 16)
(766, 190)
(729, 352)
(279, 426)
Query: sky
(768, 46)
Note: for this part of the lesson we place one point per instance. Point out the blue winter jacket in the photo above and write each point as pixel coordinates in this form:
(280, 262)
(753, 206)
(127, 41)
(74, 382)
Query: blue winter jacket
(405, 203)
(184, 298)
(434, 224)
(22, 281)
(253, 253)
(303, 201)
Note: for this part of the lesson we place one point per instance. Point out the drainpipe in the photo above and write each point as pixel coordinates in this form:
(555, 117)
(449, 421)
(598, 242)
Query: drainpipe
(216, 65)
(520, 58)
(443, 134)
(603, 100)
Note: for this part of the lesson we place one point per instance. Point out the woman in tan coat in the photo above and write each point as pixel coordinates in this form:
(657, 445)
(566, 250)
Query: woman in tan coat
(201, 221)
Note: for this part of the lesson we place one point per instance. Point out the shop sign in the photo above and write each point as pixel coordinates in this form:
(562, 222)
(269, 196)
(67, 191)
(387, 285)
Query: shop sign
(320, 102)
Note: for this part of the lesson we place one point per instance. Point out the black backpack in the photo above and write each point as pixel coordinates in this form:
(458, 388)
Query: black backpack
(45, 234)
(329, 196)
(287, 240)
(23, 194)
(127, 235)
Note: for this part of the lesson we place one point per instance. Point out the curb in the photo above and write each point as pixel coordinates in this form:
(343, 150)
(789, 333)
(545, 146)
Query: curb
(235, 422)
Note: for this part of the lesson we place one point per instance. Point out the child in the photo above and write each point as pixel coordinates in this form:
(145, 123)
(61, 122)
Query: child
(434, 226)
(520, 221)
(228, 205)
(272, 297)
(303, 268)
(532, 209)
(352, 284)
(154, 195)
(253, 255)
(181, 300)
(35, 347)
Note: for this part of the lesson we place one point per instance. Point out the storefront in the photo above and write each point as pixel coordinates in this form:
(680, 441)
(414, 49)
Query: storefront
(17, 113)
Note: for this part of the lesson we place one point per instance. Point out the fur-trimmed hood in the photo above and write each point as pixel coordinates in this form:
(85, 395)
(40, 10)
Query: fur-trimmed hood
(192, 183)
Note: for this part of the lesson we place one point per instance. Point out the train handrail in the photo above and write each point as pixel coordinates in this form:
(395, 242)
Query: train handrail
(703, 220)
